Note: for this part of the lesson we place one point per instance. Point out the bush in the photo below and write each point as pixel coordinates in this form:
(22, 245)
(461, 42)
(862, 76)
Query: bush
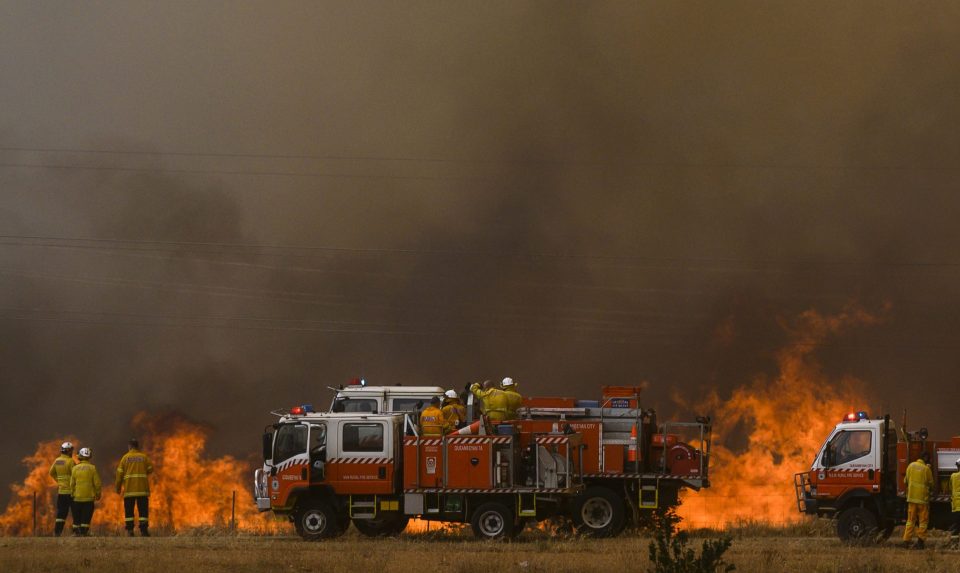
(669, 552)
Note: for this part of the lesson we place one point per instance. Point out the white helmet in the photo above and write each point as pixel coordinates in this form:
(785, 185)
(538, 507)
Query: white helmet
(507, 382)
(958, 463)
(85, 453)
(450, 393)
(66, 447)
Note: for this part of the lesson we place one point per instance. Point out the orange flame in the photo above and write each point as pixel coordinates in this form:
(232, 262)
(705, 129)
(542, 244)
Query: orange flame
(787, 417)
(188, 491)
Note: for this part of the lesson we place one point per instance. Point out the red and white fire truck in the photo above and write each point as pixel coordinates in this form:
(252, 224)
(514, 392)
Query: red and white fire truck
(598, 463)
(857, 477)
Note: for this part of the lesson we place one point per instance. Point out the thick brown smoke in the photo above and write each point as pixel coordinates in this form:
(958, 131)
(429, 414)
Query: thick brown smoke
(285, 195)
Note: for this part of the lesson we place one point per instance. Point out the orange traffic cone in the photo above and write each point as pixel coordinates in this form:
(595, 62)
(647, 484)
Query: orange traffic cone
(473, 429)
(632, 448)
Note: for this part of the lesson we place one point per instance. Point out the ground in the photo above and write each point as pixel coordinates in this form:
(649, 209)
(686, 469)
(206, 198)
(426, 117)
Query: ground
(759, 550)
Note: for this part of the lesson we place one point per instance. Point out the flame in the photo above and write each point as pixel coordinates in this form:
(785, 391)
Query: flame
(188, 490)
(787, 417)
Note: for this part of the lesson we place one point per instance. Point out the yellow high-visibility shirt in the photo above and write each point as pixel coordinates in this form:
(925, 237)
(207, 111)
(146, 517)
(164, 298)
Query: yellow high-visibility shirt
(432, 421)
(919, 481)
(494, 402)
(60, 471)
(955, 491)
(84, 482)
(454, 411)
(132, 474)
(514, 401)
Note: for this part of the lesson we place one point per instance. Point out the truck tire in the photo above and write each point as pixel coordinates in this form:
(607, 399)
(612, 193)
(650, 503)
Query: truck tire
(493, 521)
(857, 526)
(316, 520)
(382, 527)
(599, 512)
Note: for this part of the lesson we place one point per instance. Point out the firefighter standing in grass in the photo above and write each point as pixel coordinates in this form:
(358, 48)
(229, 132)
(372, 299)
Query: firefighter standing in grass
(85, 489)
(132, 479)
(432, 420)
(919, 481)
(60, 471)
(454, 410)
(955, 507)
(514, 399)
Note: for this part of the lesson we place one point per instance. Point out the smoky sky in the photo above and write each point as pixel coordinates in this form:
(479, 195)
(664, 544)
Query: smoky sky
(223, 208)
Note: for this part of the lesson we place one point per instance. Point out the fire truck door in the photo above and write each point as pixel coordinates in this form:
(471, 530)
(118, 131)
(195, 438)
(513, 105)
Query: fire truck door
(363, 462)
(318, 452)
(851, 460)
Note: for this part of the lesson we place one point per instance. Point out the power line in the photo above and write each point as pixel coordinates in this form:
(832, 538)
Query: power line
(241, 173)
(673, 261)
(461, 160)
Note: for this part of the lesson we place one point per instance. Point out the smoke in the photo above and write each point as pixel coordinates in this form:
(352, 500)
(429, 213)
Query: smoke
(573, 195)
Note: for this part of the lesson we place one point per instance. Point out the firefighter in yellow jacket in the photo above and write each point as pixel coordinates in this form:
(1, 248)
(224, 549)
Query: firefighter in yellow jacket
(514, 399)
(494, 400)
(132, 480)
(919, 481)
(955, 507)
(433, 422)
(85, 489)
(453, 410)
(60, 471)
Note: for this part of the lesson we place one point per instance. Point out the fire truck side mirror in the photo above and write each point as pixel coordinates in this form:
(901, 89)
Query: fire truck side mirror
(267, 446)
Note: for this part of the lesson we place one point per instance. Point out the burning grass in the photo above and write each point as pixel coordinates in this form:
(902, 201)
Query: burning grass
(786, 418)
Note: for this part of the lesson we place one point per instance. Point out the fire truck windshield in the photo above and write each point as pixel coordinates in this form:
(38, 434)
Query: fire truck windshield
(291, 440)
(849, 445)
(355, 405)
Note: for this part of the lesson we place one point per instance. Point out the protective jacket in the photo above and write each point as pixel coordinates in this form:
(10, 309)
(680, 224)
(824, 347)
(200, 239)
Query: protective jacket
(955, 491)
(455, 412)
(514, 401)
(432, 422)
(132, 474)
(919, 480)
(84, 482)
(494, 402)
(60, 471)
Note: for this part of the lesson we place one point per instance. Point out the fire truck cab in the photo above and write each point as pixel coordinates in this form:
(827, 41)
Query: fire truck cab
(857, 477)
(359, 397)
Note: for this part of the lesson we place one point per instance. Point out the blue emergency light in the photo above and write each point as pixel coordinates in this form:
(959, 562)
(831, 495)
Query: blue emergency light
(856, 416)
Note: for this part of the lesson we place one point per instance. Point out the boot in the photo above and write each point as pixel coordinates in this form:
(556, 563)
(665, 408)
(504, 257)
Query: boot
(144, 532)
(129, 533)
(920, 544)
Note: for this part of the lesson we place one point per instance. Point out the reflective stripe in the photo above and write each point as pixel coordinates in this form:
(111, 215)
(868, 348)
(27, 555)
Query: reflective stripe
(143, 520)
(128, 476)
(128, 519)
(61, 520)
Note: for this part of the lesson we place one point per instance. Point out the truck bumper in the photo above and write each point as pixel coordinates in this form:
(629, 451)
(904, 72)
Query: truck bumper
(809, 505)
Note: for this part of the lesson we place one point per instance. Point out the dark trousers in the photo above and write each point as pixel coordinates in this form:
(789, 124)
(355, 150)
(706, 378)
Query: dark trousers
(142, 504)
(955, 527)
(64, 501)
(82, 516)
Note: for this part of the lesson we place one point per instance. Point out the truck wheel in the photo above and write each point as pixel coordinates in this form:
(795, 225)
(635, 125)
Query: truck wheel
(317, 520)
(382, 527)
(857, 525)
(599, 512)
(493, 521)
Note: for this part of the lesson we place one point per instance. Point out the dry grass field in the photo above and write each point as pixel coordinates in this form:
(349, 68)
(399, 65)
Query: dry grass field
(754, 549)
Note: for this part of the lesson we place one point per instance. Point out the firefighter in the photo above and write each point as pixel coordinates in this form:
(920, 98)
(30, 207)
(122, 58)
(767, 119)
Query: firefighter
(955, 507)
(514, 399)
(432, 421)
(132, 480)
(919, 480)
(494, 400)
(85, 489)
(454, 410)
(60, 471)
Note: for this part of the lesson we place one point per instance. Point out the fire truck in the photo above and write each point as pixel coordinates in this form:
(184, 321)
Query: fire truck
(598, 463)
(857, 477)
